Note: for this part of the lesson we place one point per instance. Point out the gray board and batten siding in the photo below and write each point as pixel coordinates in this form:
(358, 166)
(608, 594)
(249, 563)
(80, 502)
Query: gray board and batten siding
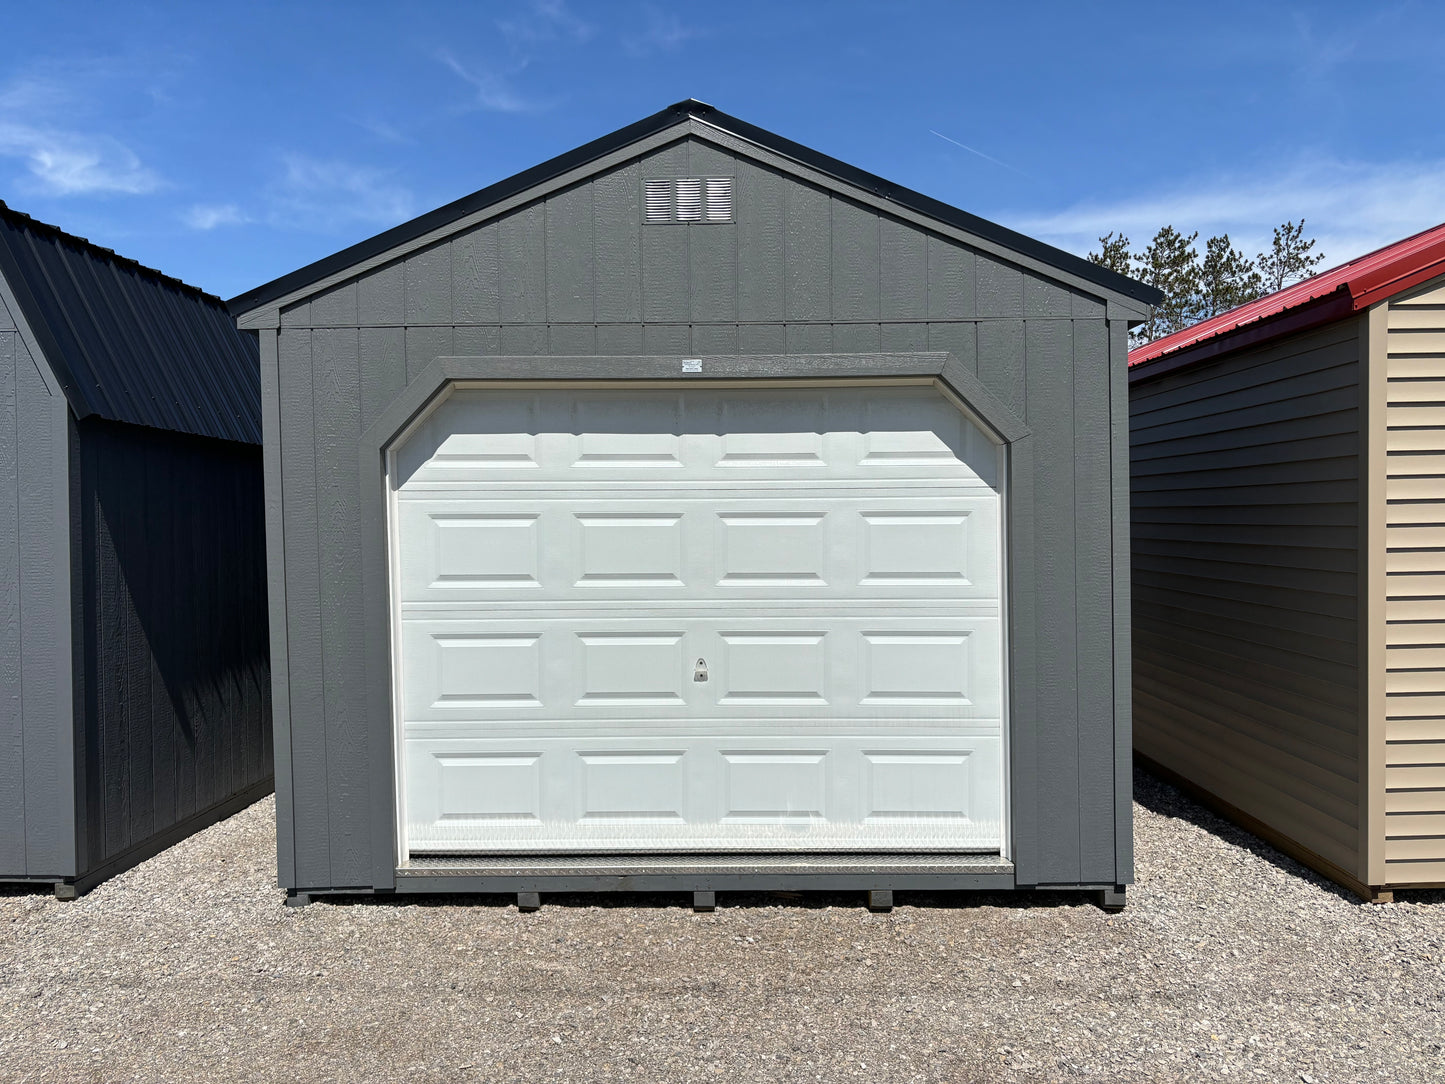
(1247, 556)
(555, 275)
(134, 702)
(36, 729)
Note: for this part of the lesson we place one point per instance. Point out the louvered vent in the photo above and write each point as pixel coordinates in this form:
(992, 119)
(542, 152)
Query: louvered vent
(688, 199)
(658, 198)
(719, 199)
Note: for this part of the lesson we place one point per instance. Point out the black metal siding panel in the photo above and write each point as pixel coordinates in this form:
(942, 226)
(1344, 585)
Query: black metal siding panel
(174, 631)
(130, 344)
(794, 250)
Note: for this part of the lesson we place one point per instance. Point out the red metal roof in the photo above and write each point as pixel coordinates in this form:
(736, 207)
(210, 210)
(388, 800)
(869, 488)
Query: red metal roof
(1356, 285)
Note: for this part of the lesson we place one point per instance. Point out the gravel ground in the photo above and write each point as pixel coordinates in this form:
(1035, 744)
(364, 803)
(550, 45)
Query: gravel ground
(1231, 961)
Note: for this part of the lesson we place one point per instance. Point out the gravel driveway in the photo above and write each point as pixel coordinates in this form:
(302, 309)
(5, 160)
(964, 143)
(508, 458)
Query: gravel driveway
(1231, 960)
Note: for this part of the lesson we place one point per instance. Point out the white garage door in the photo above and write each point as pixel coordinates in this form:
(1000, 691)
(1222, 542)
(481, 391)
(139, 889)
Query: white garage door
(700, 620)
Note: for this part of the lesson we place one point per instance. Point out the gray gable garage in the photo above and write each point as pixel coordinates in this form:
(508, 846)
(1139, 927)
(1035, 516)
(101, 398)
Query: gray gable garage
(134, 705)
(695, 511)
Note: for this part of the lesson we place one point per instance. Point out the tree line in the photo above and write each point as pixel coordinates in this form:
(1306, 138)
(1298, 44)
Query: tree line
(1197, 286)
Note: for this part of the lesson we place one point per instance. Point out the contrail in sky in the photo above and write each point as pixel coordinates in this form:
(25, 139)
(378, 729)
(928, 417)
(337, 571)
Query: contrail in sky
(971, 150)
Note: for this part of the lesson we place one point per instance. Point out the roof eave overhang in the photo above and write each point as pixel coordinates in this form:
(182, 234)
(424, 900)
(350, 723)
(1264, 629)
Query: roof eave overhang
(1389, 281)
(1314, 313)
(261, 307)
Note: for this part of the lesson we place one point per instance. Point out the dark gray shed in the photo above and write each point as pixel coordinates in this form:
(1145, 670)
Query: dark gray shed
(694, 511)
(134, 698)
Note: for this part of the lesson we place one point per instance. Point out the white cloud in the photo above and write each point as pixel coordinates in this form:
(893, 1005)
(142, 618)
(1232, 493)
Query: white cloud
(662, 32)
(62, 160)
(1350, 208)
(545, 20)
(542, 25)
(207, 216)
(382, 130)
(325, 195)
(493, 90)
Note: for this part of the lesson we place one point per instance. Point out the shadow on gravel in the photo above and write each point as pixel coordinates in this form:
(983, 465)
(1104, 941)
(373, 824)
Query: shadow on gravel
(1157, 796)
(27, 888)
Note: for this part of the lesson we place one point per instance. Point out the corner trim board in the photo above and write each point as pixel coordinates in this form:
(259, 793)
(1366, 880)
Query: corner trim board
(1374, 373)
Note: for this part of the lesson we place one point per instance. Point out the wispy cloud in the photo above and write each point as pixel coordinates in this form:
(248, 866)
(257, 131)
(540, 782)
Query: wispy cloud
(61, 159)
(1350, 208)
(544, 21)
(530, 29)
(64, 163)
(325, 195)
(207, 216)
(662, 32)
(493, 89)
(382, 130)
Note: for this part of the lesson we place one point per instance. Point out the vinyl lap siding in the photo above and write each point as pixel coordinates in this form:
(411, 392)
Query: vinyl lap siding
(1245, 554)
(1415, 590)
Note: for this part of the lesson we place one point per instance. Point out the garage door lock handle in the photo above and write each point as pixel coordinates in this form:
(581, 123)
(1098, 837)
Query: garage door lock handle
(699, 672)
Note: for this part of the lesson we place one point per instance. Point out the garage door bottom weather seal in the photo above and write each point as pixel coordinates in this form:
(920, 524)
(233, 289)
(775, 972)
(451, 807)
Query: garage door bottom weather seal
(633, 865)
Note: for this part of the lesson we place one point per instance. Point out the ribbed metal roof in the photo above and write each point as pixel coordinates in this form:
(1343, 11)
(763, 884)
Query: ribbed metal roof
(673, 115)
(127, 342)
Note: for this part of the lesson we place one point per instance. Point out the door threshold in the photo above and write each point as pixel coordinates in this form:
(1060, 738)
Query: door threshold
(641, 865)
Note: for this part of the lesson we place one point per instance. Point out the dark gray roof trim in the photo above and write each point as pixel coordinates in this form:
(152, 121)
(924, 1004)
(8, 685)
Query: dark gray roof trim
(128, 343)
(539, 174)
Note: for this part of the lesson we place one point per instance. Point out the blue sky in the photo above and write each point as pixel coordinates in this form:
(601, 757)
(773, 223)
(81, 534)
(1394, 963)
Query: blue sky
(230, 149)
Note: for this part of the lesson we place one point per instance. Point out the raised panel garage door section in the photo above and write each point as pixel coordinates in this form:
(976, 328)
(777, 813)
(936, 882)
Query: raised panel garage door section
(700, 619)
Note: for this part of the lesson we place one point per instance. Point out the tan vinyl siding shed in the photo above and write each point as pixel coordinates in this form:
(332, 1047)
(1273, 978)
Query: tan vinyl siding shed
(1408, 574)
(1288, 546)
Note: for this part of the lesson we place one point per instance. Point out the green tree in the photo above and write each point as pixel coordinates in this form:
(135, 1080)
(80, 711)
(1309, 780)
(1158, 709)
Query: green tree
(1170, 264)
(1197, 287)
(1289, 258)
(1227, 278)
(1114, 254)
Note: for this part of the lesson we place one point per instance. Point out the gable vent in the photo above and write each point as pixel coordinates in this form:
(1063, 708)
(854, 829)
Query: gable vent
(658, 199)
(688, 199)
(719, 199)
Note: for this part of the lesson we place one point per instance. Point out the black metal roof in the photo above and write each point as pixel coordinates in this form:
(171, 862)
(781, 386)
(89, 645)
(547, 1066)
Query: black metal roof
(673, 114)
(128, 343)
